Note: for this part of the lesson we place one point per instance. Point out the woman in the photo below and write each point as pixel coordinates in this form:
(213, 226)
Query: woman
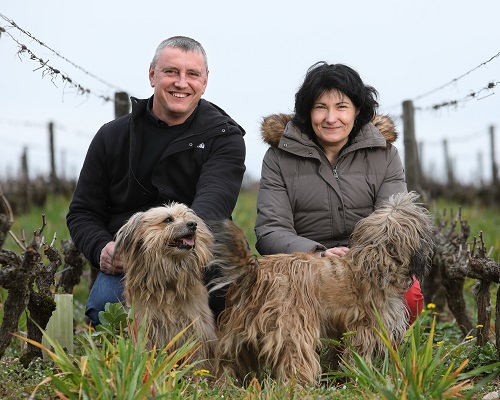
(328, 166)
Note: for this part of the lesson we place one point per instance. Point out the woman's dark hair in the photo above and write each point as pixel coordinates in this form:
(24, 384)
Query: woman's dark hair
(323, 77)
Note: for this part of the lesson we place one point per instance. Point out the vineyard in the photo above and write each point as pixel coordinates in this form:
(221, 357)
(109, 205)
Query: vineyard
(462, 288)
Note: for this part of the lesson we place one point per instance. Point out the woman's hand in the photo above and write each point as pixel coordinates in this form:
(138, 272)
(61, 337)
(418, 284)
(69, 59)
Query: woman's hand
(334, 251)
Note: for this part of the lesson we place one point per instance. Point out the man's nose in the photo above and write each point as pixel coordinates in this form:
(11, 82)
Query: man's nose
(181, 80)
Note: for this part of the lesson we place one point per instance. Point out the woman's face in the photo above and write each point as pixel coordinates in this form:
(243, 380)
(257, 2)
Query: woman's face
(332, 117)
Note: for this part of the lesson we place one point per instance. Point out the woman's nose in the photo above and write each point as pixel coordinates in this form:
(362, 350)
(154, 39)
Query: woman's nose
(331, 116)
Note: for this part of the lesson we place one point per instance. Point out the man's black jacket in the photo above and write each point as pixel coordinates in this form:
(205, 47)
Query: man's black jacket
(202, 168)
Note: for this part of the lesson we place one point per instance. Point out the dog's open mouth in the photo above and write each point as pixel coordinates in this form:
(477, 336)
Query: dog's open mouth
(183, 243)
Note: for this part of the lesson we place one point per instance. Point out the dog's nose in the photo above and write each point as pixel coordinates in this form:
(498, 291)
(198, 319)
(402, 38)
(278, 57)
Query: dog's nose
(192, 225)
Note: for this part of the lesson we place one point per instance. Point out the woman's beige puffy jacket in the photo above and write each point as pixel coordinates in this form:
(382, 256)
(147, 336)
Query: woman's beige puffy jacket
(305, 203)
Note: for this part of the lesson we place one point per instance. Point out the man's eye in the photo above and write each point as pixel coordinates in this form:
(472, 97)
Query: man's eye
(171, 72)
(195, 74)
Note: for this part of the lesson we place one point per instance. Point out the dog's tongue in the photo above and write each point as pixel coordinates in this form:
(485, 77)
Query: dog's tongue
(188, 242)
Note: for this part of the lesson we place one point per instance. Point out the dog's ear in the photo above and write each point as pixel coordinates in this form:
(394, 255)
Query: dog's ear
(126, 235)
(420, 265)
(215, 225)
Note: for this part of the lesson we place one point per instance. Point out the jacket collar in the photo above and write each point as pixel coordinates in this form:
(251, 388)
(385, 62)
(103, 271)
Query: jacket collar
(211, 114)
(380, 132)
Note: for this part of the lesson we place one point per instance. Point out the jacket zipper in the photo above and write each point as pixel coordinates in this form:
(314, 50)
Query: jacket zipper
(335, 173)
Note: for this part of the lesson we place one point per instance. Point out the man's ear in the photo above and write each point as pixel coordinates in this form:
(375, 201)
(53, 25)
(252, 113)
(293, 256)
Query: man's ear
(151, 75)
(205, 83)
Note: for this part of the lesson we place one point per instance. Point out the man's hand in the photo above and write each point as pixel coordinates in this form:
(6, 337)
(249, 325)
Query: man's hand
(110, 265)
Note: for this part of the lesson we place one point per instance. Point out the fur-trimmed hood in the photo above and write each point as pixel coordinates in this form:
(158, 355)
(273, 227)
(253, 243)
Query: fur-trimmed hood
(273, 126)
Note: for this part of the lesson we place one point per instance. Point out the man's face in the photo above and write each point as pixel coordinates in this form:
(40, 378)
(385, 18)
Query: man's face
(179, 79)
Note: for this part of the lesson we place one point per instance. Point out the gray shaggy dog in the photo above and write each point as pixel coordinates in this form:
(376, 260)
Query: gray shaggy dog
(279, 306)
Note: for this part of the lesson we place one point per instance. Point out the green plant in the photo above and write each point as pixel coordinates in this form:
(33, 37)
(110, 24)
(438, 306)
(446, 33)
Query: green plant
(479, 356)
(114, 321)
(417, 368)
(117, 366)
(16, 382)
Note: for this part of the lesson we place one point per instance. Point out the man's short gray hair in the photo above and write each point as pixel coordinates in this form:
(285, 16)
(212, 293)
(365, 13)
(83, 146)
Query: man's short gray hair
(180, 42)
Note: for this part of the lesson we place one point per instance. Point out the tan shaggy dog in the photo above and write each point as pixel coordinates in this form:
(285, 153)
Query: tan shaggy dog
(279, 306)
(165, 251)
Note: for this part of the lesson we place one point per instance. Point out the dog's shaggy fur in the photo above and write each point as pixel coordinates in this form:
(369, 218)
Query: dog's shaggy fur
(279, 306)
(165, 251)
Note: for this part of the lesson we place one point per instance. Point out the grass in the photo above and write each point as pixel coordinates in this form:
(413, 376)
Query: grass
(244, 216)
(17, 382)
(55, 217)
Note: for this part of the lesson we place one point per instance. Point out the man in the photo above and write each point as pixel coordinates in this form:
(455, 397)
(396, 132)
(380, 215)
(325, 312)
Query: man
(173, 146)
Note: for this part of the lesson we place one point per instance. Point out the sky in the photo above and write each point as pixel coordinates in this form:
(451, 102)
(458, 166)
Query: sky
(431, 52)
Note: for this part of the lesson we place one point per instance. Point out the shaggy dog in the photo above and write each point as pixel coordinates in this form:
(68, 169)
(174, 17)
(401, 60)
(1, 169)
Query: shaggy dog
(279, 306)
(165, 251)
